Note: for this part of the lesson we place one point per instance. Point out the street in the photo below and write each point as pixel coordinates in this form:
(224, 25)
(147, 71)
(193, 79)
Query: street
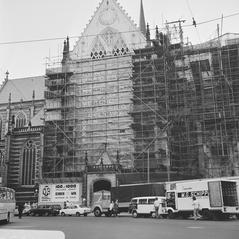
(126, 227)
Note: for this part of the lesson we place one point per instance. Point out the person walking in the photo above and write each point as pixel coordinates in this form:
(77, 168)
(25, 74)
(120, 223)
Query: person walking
(156, 207)
(111, 208)
(20, 210)
(116, 208)
(195, 208)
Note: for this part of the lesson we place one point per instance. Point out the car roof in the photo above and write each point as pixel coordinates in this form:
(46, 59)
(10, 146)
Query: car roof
(147, 197)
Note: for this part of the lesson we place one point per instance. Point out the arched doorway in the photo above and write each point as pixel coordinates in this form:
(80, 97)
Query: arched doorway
(100, 185)
(101, 190)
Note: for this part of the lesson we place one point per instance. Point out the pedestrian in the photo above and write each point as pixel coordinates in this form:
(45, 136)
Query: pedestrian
(111, 207)
(161, 209)
(196, 207)
(68, 204)
(20, 210)
(116, 208)
(156, 207)
(84, 202)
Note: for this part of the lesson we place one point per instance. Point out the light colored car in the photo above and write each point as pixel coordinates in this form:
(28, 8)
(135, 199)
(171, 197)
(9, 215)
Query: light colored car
(75, 210)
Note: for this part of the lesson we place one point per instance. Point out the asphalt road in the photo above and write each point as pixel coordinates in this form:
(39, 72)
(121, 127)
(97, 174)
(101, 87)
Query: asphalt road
(125, 227)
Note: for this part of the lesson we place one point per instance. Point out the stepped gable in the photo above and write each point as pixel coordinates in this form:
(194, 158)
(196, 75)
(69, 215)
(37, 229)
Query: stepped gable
(110, 30)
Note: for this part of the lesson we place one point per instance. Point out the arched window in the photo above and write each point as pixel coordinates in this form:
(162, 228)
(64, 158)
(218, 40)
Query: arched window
(28, 163)
(21, 120)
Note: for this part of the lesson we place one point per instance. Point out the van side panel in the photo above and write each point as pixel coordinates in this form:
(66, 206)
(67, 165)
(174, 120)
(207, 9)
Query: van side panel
(215, 195)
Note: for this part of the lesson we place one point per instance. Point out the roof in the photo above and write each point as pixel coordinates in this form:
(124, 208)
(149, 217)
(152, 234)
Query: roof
(22, 89)
(223, 40)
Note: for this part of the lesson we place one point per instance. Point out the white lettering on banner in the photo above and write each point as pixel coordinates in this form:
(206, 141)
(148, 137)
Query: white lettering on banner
(60, 192)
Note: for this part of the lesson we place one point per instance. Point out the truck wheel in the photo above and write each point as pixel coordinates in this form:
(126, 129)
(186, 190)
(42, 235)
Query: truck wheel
(97, 212)
(85, 214)
(77, 214)
(46, 214)
(134, 214)
(170, 214)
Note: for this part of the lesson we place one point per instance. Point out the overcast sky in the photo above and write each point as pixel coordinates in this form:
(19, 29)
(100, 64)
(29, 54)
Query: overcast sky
(40, 19)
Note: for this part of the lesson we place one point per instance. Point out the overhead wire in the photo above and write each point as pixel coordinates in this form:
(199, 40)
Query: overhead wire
(121, 32)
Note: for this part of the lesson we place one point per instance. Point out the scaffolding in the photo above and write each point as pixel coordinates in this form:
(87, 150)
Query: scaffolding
(193, 91)
(167, 107)
(87, 113)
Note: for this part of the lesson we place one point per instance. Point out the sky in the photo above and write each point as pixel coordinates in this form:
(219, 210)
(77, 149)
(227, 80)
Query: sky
(24, 20)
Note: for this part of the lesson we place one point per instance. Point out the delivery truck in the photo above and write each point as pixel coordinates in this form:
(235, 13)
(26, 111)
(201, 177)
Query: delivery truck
(217, 198)
(124, 194)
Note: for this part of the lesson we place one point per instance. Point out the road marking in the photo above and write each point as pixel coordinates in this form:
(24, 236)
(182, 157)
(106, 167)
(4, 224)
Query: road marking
(194, 227)
(20, 226)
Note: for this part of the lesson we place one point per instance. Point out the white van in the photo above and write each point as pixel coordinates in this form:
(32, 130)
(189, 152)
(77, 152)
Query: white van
(144, 206)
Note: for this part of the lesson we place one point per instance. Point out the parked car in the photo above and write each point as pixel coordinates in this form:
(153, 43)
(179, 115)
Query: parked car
(76, 210)
(45, 210)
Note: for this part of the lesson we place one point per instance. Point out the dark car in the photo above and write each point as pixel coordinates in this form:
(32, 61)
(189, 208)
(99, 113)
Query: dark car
(45, 210)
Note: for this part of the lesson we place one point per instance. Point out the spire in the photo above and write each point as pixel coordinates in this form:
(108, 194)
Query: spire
(66, 50)
(142, 25)
(33, 95)
(67, 44)
(157, 36)
(148, 35)
(7, 74)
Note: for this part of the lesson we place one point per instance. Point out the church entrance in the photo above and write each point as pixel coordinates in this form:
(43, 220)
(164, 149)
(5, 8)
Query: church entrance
(101, 189)
(102, 184)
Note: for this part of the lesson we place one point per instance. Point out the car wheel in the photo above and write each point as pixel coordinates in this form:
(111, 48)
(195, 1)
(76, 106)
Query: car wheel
(97, 212)
(77, 214)
(153, 214)
(63, 214)
(134, 214)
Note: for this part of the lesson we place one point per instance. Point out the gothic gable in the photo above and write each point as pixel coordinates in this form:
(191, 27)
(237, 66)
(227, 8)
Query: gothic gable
(110, 32)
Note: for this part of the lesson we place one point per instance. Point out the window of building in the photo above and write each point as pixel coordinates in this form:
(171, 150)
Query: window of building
(20, 120)
(28, 163)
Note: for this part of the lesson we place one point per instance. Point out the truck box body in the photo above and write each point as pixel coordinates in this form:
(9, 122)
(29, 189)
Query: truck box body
(212, 195)
(125, 193)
